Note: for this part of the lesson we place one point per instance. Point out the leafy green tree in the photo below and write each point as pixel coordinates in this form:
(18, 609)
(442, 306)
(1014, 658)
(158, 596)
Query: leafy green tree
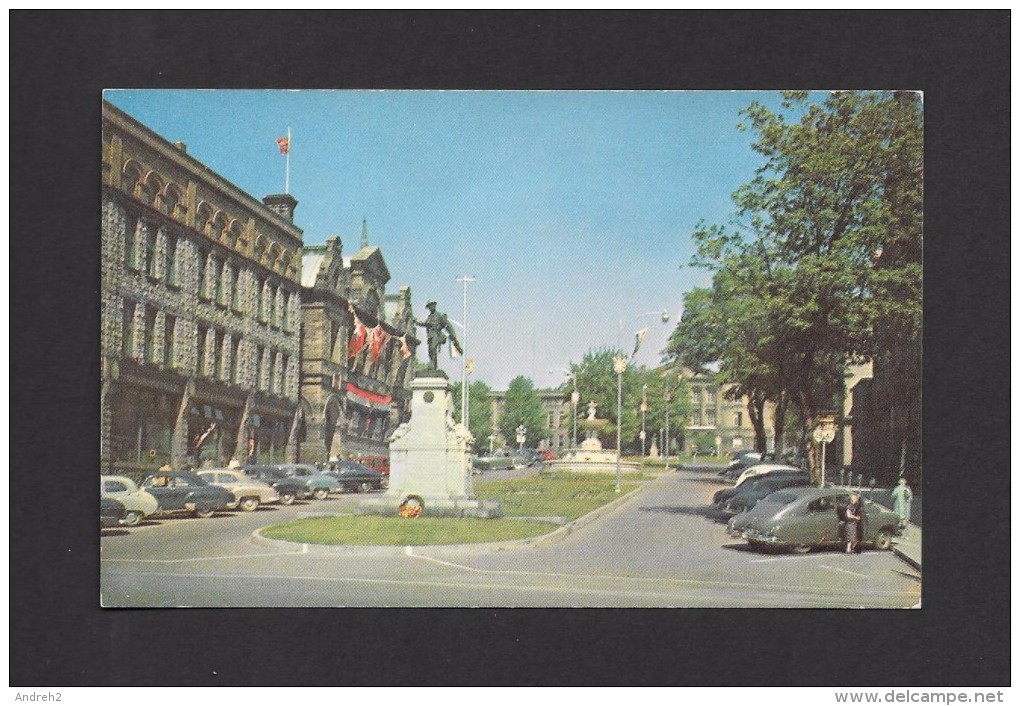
(799, 288)
(479, 411)
(522, 406)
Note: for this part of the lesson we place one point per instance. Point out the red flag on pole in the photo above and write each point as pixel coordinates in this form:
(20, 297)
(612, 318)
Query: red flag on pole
(284, 144)
(359, 336)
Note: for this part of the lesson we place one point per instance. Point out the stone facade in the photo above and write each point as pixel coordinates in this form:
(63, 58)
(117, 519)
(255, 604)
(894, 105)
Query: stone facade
(358, 348)
(201, 310)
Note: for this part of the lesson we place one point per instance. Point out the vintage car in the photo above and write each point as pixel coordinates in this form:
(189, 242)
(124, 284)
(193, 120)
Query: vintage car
(526, 457)
(183, 491)
(318, 482)
(111, 512)
(762, 469)
(500, 459)
(248, 492)
(749, 493)
(352, 476)
(767, 469)
(813, 519)
(138, 503)
(289, 488)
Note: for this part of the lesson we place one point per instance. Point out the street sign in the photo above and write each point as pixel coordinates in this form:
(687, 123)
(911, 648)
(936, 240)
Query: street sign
(823, 435)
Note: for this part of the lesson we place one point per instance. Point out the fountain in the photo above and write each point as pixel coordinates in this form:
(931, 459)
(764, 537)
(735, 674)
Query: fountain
(590, 457)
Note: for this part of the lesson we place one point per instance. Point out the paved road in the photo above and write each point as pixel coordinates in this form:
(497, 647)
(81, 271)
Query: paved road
(660, 548)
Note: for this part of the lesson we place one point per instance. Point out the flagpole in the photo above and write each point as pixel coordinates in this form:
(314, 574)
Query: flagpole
(286, 179)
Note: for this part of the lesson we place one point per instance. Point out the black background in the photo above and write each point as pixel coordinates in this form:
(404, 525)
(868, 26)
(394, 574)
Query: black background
(60, 62)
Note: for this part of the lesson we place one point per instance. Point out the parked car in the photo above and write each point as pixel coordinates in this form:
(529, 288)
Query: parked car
(740, 461)
(526, 457)
(547, 455)
(138, 503)
(111, 512)
(766, 507)
(353, 476)
(769, 469)
(248, 492)
(318, 482)
(762, 469)
(813, 519)
(289, 488)
(755, 489)
(501, 459)
(379, 464)
(183, 491)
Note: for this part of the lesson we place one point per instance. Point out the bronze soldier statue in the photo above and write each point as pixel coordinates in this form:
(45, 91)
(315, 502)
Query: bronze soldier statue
(437, 327)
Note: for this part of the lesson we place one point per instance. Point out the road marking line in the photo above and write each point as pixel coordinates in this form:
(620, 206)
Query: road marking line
(845, 571)
(689, 582)
(200, 558)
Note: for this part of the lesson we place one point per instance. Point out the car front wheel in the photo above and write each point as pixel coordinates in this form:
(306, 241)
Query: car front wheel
(287, 498)
(365, 487)
(249, 504)
(883, 540)
(132, 519)
(204, 512)
(321, 493)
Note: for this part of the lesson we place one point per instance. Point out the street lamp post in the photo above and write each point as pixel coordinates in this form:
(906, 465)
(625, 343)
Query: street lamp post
(619, 365)
(644, 410)
(465, 398)
(666, 399)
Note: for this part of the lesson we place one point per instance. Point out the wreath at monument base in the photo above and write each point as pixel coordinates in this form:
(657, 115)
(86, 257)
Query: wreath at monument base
(411, 507)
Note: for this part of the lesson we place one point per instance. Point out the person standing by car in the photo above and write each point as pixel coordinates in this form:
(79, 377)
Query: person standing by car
(902, 497)
(854, 522)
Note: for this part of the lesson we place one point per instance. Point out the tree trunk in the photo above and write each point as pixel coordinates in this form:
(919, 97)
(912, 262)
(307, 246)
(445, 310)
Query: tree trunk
(807, 415)
(756, 413)
(779, 421)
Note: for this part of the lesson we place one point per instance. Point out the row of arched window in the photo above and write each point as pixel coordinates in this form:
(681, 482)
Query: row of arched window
(165, 196)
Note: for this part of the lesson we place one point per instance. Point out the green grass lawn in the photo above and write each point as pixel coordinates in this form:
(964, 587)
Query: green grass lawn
(568, 495)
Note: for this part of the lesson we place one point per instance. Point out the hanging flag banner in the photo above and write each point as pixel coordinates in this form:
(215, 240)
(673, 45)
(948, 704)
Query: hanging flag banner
(200, 439)
(368, 398)
(379, 338)
(405, 350)
(284, 144)
(358, 337)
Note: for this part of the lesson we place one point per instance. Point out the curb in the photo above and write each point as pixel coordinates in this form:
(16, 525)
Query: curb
(557, 535)
(908, 559)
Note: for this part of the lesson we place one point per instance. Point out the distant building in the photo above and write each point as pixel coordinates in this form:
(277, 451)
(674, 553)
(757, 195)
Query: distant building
(200, 295)
(357, 353)
(556, 405)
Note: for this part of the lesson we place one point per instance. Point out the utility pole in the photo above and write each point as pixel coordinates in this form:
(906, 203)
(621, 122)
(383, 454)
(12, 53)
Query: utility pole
(465, 397)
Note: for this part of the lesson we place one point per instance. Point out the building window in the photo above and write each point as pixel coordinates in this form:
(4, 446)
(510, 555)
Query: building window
(234, 349)
(217, 273)
(738, 419)
(283, 375)
(260, 295)
(272, 306)
(203, 258)
(551, 417)
(171, 259)
(710, 417)
(203, 335)
(169, 326)
(128, 330)
(218, 371)
(272, 373)
(231, 272)
(149, 254)
(284, 319)
(150, 334)
(130, 233)
(259, 378)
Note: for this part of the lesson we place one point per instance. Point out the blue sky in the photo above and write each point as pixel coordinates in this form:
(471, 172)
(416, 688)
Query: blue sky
(572, 210)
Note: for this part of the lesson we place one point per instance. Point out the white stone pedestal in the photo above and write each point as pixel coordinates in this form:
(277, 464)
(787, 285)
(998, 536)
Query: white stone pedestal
(429, 459)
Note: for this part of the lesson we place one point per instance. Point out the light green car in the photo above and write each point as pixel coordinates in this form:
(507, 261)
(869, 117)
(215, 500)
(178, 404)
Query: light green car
(138, 503)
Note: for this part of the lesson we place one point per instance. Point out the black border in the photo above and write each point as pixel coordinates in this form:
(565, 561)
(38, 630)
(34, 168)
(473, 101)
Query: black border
(60, 62)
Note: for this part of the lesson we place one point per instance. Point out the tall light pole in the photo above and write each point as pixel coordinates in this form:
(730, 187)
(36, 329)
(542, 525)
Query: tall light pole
(667, 398)
(619, 365)
(465, 397)
(644, 410)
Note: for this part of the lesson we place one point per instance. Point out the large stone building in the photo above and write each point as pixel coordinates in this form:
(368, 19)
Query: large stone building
(721, 422)
(201, 310)
(357, 353)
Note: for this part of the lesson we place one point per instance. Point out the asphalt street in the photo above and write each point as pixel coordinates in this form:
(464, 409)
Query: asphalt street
(661, 547)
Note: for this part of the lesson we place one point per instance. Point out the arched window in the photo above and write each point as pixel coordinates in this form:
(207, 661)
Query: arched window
(259, 253)
(151, 190)
(132, 176)
(172, 200)
(203, 218)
